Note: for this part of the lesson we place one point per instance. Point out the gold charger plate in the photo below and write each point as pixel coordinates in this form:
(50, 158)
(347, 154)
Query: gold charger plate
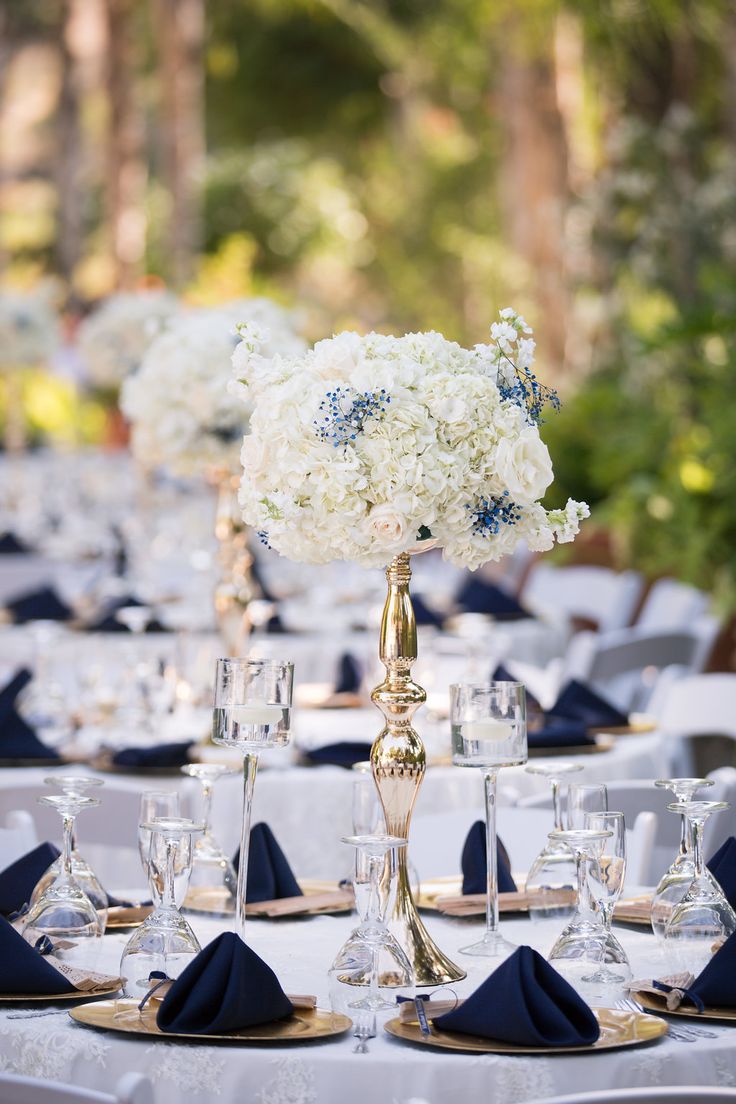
(602, 744)
(639, 724)
(217, 902)
(103, 763)
(636, 911)
(618, 1029)
(123, 1015)
(119, 917)
(655, 1004)
(54, 997)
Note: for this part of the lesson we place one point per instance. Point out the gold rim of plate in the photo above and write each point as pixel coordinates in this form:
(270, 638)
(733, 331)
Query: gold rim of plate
(654, 1004)
(78, 996)
(602, 744)
(118, 921)
(618, 1029)
(215, 902)
(123, 1015)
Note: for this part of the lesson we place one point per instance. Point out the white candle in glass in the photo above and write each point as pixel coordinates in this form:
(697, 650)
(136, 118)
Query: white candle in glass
(487, 731)
(257, 713)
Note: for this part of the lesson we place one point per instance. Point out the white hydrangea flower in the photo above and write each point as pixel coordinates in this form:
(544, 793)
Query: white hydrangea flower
(114, 338)
(362, 446)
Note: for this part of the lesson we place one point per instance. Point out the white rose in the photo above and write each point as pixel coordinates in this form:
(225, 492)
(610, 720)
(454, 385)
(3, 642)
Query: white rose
(523, 464)
(387, 525)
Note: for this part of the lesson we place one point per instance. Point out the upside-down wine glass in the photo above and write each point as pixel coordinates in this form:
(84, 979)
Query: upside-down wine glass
(678, 878)
(371, 956)
(64, 911)
(488, 723)
(155, 804)
(211, 868)
(252, 712)
(164, 942)
(606, 876)
(703, 918)
(550, 883)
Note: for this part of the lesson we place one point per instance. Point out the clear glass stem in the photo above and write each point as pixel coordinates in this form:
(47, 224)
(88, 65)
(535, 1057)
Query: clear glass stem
(580, 869)
(169, 894)
(489, 786)
(374, 992)
(698, 827)
(206, 804)
(685, 837)
(556, 810)
(67, 844)
(250, 766)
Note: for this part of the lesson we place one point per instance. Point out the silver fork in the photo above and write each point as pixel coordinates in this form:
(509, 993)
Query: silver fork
(682, 1033)
(364, 1029)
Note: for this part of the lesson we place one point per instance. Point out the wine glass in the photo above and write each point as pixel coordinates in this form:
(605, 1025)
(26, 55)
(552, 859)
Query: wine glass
(164, 942)
(488, 724)
(606, 876)
(584, 798)
(211, 868)
(372, 956)
(703, 917)
(583, 940)
(368, 818)
(678, 878)
(551, 877)
(154, 804)
(252, 712)
(84, 875)
(64, 912)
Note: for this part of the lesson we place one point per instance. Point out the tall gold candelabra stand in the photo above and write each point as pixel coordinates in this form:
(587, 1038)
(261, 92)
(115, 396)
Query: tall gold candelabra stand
(398, 760)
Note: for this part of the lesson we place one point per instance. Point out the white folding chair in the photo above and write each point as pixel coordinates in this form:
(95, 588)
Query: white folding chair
(132, 1088)
(597, 594)
(692, 1094)
(17, 837)
(693, 708)
(671, 604)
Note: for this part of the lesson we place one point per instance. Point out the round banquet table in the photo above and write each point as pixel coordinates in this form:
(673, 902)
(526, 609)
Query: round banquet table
(50, 1045)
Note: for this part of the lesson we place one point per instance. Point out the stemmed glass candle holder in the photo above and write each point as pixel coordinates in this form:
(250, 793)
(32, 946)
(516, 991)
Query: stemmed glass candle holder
(164, 942)
(677, 880)
(156, 804)
(64, 911)
(372, 956)
(488, 724)
(606, 876)
(211, 868)
(703, 918)
(252, 712)
(551, 878)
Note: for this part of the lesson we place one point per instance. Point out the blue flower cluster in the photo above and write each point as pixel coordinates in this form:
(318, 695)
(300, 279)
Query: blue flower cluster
(263, 537)
(346, 411)
(526, 391)
(491, 513)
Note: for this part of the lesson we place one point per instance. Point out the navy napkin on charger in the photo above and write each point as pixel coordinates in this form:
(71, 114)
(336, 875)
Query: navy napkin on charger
(18, 881)
(270, 877)
(11, 546)
(160, 755)
(557, 731)
(107, 622)
(579, 702)
(227, 987)
(344, 753)
(502, 674)
(424, 614)
(715, 985)
(473, 863)
(722, 866)
(349, 675)
(43, 604)
(479, 596)
(17, 739)
(24, 970)
(527, 1003)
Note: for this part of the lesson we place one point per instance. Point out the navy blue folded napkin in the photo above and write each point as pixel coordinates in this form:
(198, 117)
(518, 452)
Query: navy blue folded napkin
(11, 546)
(715, 986)
(349, 675)
(424, 614)
(39, 605)
(227, 987)
(478, 596)
(723, 868)
(18, 881)
(17, 739)
(161, 755)
(559, 732)
(580, 703)
(344, 753)
(11, 690)
(502, 674)
(473, 863)
(269, 875)
(526, 1002)
(108, 622)
(23, 970)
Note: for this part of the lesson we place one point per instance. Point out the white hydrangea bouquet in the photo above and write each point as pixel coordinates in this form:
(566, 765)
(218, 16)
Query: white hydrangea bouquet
(29, 331)
(181, 413)
(113, 338)
(364, 446)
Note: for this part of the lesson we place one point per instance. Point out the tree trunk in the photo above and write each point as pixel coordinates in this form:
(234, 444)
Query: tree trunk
(68, 160)
(180, 42)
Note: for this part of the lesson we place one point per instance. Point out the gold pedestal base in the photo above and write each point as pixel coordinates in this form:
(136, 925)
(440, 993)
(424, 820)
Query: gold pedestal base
(399, 761)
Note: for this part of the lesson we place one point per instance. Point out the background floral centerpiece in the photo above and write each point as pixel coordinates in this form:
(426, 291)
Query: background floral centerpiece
(363, 446)
(114, 338)
(29, 330)
(178, 403)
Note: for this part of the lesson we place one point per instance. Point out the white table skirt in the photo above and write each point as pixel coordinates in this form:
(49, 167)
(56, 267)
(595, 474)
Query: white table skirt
(330, 1072)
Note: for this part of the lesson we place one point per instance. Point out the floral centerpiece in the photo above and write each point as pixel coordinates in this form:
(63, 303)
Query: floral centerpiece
(363, 446)
(178, 404)
(113, 339)
(29, 331)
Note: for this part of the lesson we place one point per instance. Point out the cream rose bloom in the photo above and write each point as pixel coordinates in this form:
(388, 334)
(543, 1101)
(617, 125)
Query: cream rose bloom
(523, 465)
(387, 525)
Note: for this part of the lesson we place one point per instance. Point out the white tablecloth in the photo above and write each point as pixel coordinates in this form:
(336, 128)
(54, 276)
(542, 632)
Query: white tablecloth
(330, 1072)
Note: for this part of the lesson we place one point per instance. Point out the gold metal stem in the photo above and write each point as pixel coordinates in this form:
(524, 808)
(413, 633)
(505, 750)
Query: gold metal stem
(399, 761)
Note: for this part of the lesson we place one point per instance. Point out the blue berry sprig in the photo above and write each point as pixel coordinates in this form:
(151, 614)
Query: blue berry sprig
(491, 513)
(527, 392)
(346, 412)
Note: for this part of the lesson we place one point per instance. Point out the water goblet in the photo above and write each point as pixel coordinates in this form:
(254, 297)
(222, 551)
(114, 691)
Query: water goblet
(606, 874)
(155, 804)
(488, 724)
(583, 940)
(550, 883)
(64, 912)
(211, 868)
(703, 918)
(678, 878)
(584, 798)
(252, 712)
(164, 942)
(371, 956)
